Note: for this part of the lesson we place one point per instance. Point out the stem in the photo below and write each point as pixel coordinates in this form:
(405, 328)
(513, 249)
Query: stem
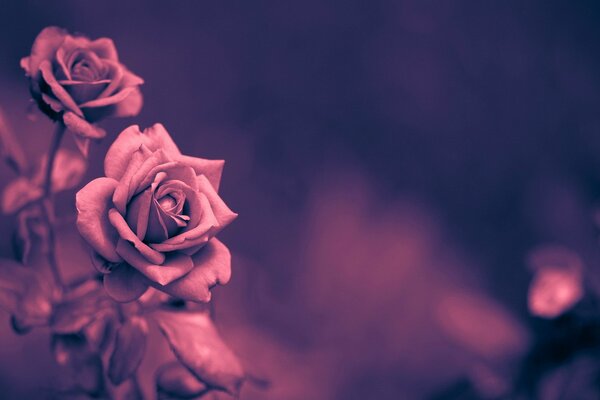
(56, 139)
(47, 204)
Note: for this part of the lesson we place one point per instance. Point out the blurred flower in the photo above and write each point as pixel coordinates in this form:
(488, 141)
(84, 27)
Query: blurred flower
(153, 218)
(554, 291)
(557, 282)
(80, 81)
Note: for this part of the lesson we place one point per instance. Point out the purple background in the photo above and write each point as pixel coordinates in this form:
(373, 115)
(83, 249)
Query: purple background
(380, 154)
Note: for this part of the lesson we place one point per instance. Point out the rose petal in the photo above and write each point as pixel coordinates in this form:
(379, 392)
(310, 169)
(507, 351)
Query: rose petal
(64, 72)
(131, 79)
(223, 214)
(129, 141)
(84, 64)
(131, 106)
(175, 265)
(157, 230)
(54, 104)
(44, 47)
(71, 45)
(195, 209)
(108, 101)
(115, 72)
(138, 158)
(172, 223)
(101, 264)
(127, 234)
(93, 202)
(174, 170)
(84, 91)
(105, 48)
(212, 265)
(129, 187)
(125, 284)
(197, 236)
(58, 91)
(137, 213)
(80, 126)
(212, 169)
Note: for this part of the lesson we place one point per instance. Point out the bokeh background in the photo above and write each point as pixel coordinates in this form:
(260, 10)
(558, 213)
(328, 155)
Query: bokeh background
(392, 162)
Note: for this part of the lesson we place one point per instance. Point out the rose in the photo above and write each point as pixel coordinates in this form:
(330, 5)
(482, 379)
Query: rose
(153, 218)
(80, 81)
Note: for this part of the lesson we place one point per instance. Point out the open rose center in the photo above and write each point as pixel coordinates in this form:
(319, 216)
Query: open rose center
(85, 66)
(83, 75)
(159, 212)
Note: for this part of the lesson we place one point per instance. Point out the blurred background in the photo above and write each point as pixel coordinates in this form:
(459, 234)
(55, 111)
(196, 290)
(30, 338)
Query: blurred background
(392, 163)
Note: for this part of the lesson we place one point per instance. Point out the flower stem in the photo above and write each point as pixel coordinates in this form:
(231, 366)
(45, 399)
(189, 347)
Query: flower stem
(47, 204)
(56, 139)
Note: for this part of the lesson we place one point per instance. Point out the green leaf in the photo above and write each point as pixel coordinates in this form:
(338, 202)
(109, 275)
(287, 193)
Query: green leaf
(196, 343)
(129, 350)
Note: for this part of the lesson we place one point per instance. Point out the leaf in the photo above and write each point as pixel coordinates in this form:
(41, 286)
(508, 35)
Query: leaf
(129, 350)
(13, 282)
(19, 193)
(101, 331)
(481, 325)
(76, 312)
(25, 294)
(85, 366)
(198, 346)
(10, 149)
(177, 381)
(67, 171)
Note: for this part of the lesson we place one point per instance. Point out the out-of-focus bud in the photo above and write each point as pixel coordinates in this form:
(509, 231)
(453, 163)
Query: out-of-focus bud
(557, 282)
(554, 291)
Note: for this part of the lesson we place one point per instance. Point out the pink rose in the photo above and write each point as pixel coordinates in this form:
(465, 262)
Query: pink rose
(80, 81)
(153, 218)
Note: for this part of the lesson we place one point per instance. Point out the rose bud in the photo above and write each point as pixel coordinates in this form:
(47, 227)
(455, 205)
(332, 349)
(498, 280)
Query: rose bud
(557, 284)
(153, 218)
(80, 81)
(554, 291)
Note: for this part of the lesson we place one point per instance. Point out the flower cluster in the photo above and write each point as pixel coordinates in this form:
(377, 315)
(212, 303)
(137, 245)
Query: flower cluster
(149, 223)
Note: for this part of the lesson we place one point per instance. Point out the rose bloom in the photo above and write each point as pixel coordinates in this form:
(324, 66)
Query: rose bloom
(80, 80)
(152, 220)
